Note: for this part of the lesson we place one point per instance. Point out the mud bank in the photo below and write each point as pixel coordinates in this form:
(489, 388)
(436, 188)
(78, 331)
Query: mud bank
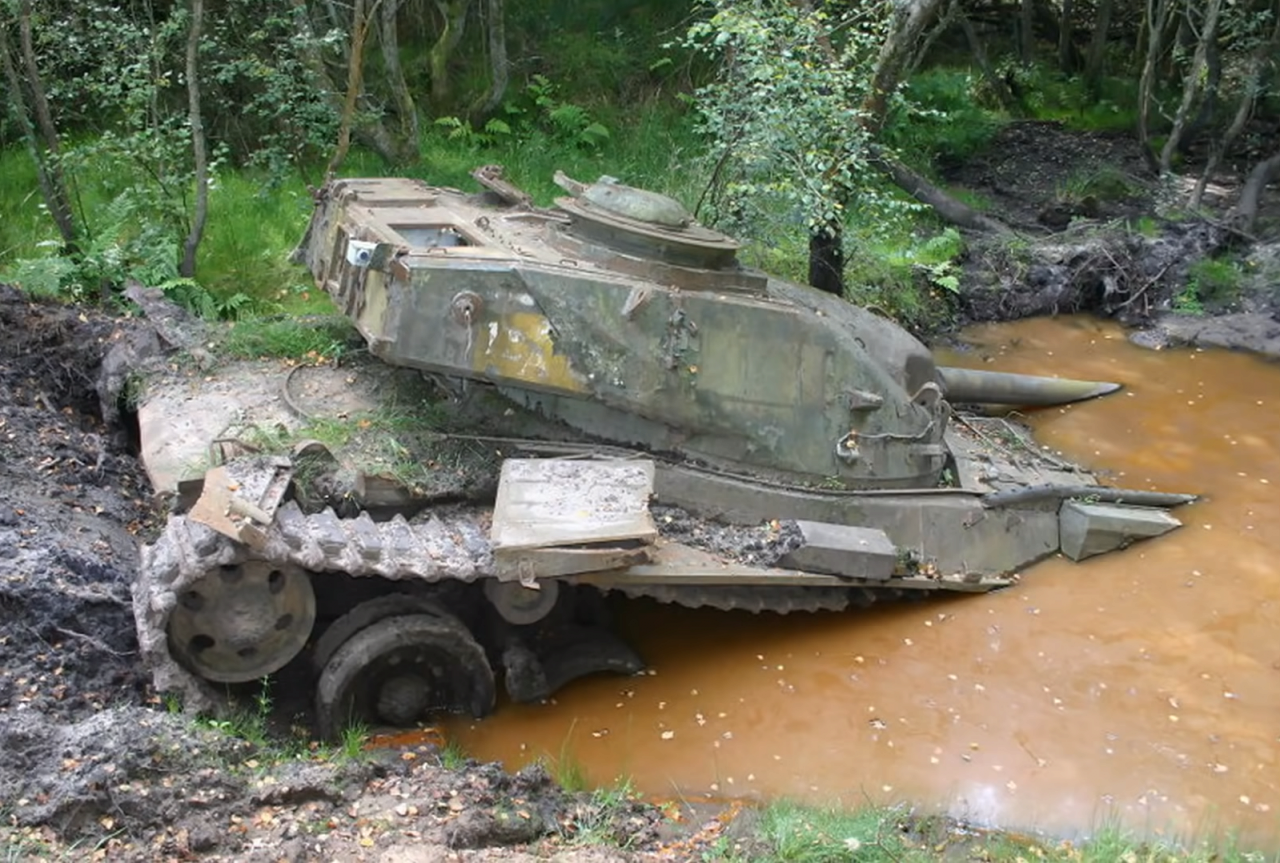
(1094, 231)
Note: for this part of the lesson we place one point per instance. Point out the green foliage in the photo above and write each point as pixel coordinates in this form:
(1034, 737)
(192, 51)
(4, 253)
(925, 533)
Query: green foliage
(199, 300)
(784, 116)
(289, 337)
(355, 738)
(1147, 226)
(907, 276)
(598, 819)
(1210, 282)
(453, 756)
(938, 119)
(1215, 278)
(538, 111)
(115, 79)
(125, 245)
(608, 51)
(255, 69)
(1105, 183)
(494, 131)
(564, 121)
(1048, 94)
(251, 724)
(788, 832)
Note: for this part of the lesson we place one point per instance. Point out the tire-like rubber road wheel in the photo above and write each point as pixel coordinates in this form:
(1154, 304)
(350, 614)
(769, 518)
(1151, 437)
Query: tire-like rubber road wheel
(366, 614)
(399, 669)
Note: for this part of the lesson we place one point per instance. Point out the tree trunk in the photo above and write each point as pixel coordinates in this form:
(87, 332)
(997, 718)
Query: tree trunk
(44, 144)
(947, 207)
(1026, 31)
(1157, 19)
(454, 17)
(1249, 91)
(499, 73)
(1003, 94)
(1094, 61)
(909, 21)
(922, 52)
(189, 247)
(355, 77)
(826, 259)
(388, 32)
(1066, 32)
(1193, 84)
(1245, 213)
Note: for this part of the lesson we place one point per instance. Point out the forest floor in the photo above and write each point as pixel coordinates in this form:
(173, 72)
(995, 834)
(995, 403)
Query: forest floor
(93, 764)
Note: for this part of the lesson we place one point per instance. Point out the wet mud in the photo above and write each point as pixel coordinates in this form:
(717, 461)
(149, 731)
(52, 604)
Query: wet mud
(1139, 686)
(70, 504)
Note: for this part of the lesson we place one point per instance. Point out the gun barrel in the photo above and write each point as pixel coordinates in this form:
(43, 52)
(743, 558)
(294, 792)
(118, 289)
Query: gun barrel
(973, 386)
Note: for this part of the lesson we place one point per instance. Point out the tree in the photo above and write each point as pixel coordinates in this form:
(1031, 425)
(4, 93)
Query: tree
(796, 111)
(44, 145)
(199, 147)
(389, 36)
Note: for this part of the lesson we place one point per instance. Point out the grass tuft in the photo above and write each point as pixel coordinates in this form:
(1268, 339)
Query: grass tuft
(316, 338)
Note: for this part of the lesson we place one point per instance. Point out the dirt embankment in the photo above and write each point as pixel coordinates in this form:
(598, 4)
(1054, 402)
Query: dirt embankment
(1095, 231)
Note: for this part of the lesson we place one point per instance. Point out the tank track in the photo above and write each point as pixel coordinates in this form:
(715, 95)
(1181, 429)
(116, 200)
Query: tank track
(776, 600)
(448, 544)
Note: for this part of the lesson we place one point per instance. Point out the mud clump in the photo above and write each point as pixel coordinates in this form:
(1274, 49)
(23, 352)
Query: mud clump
(757, 545)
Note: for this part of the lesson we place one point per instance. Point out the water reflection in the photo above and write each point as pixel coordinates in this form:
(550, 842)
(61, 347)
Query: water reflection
(1140, 686)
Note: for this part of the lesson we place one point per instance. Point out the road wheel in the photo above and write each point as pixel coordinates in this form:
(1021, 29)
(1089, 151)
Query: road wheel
(400, 669)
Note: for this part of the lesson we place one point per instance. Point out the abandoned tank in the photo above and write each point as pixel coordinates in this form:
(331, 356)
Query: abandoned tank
(659, 420)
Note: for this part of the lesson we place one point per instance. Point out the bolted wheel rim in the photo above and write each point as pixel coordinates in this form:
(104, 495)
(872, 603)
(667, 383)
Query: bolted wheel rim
(242, 621)
(399, 669)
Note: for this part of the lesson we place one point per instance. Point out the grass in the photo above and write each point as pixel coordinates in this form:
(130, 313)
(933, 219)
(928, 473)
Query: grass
(1214, 279)
(788, 832)
(355, 738)
(453, 755)
(317, 338)
(1105, 183)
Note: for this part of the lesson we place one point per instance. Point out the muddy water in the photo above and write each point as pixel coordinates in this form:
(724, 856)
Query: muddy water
(1142, 686)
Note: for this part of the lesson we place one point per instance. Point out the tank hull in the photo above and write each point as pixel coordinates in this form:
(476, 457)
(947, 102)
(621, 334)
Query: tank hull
(654, 420)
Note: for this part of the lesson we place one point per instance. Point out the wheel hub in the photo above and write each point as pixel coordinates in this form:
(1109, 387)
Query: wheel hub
(242, 621)
(522, 605)
(402, 699)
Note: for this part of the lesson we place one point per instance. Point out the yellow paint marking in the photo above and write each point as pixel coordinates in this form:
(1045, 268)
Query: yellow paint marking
(518, 347)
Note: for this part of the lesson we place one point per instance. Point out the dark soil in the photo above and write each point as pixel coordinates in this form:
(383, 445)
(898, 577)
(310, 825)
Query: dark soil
(1039, 175)
(1087, 237)
(70, 500)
